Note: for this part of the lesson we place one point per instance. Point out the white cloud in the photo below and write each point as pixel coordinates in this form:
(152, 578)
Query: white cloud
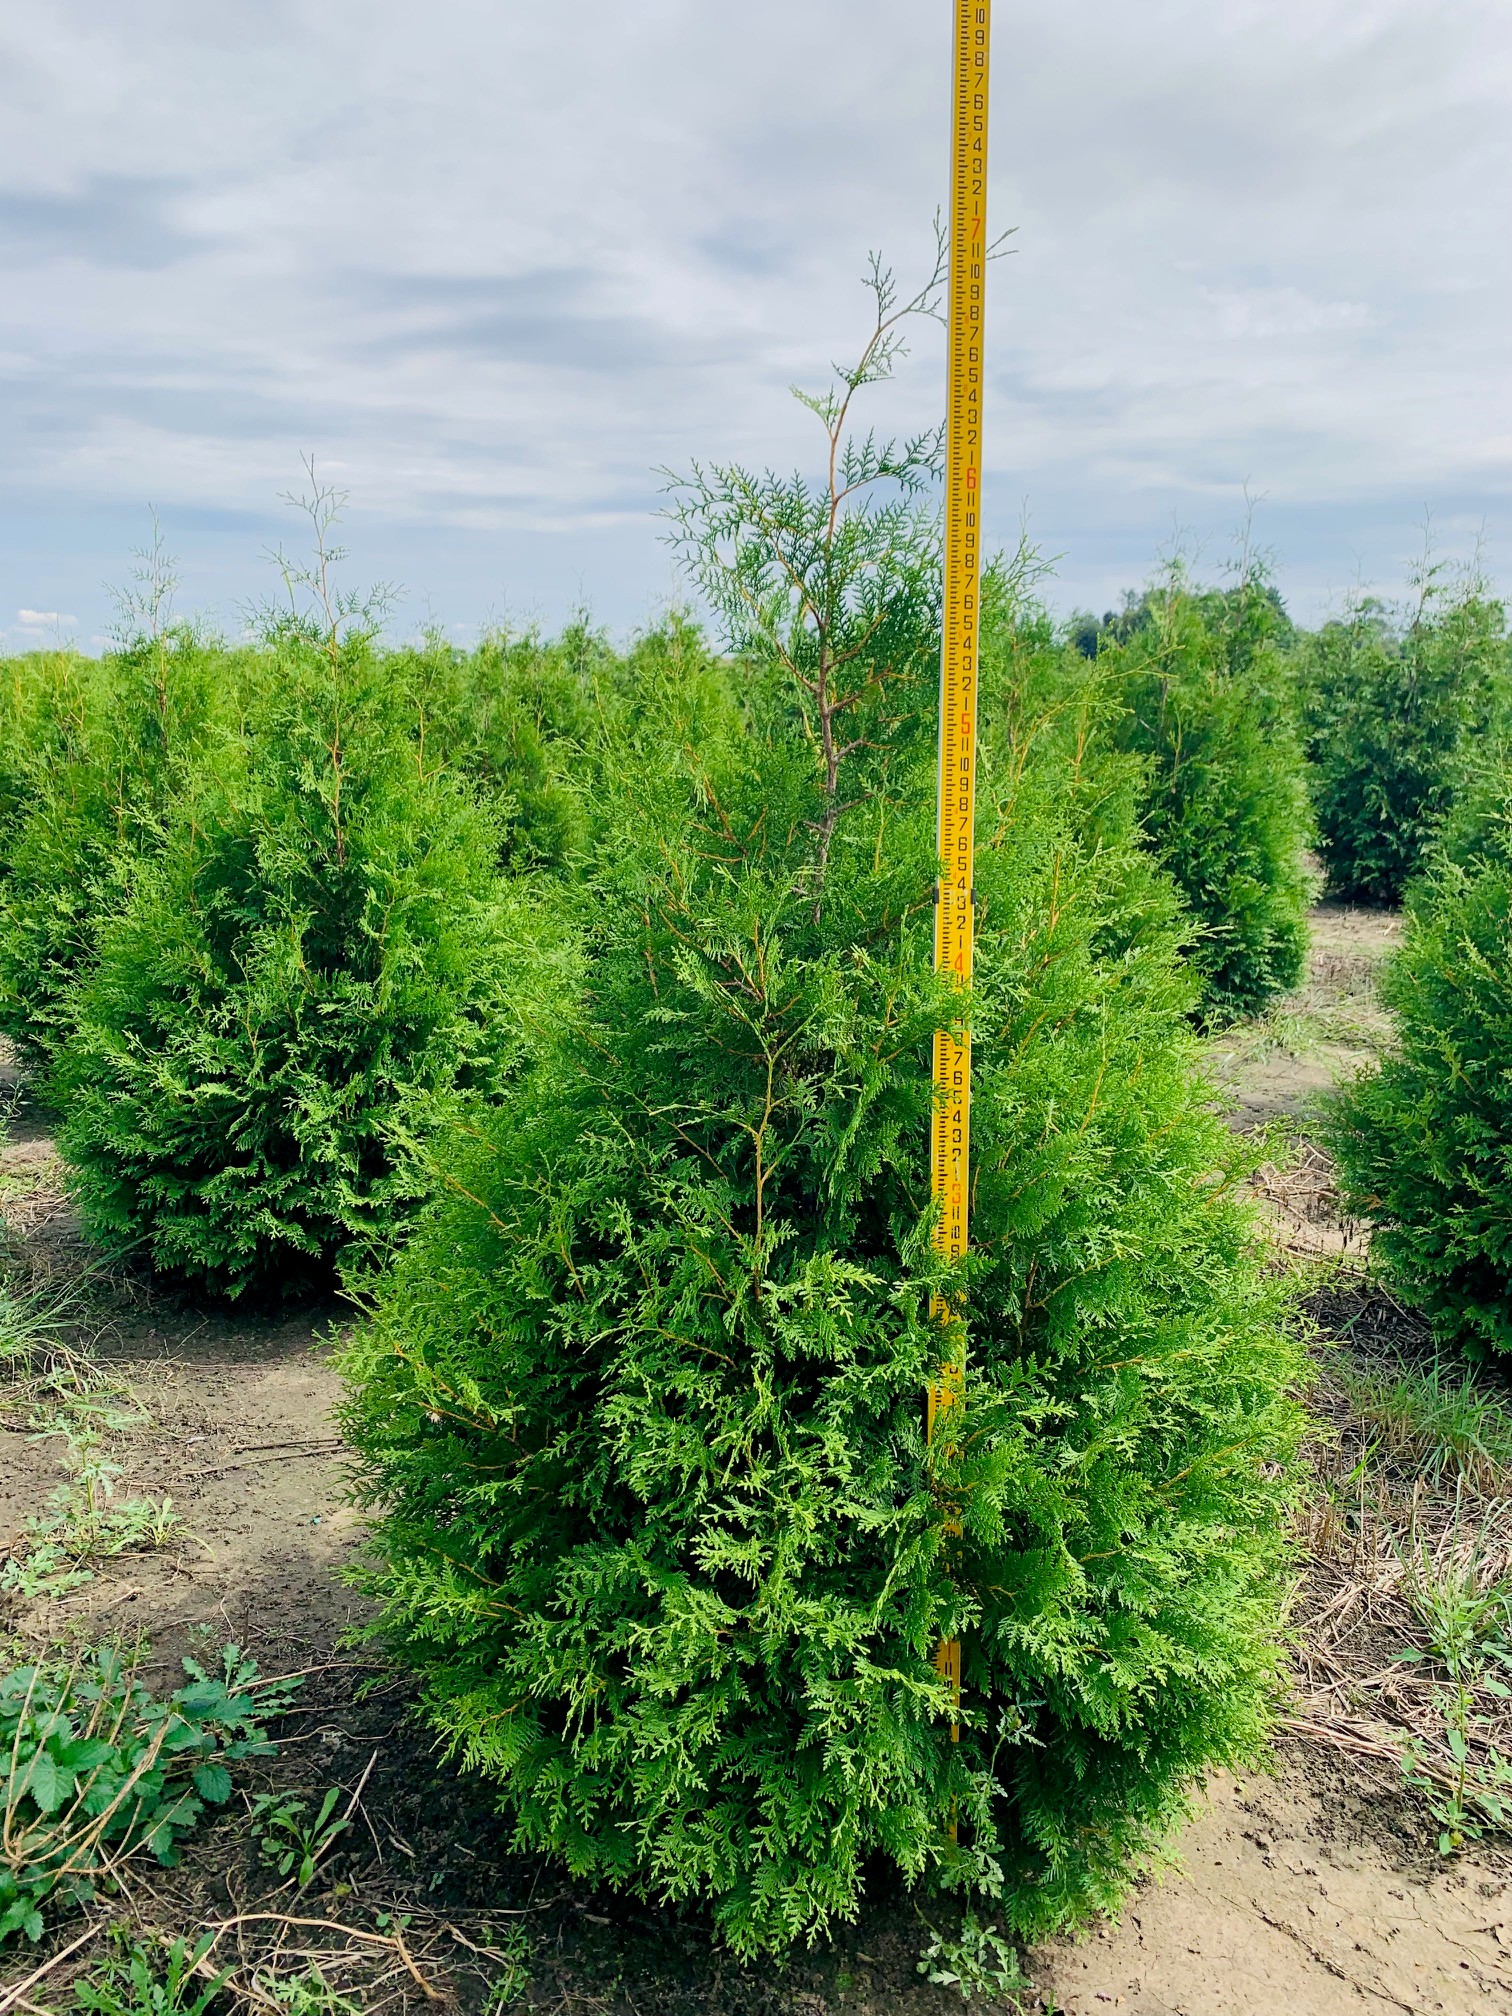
(1269, 312)
(498, 279)
(44, 619)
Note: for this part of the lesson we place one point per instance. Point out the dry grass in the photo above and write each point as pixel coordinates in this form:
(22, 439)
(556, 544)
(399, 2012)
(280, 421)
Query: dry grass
(1403, 1618)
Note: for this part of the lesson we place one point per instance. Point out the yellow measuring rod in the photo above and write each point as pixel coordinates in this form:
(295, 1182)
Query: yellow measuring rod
(965, 327)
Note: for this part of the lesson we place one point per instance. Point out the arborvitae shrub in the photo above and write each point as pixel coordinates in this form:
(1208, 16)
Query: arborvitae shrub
(641, 1411)
(1394, 704)
(43, 700)
(319, 950)
(509, 715)
(1207, 704)
(137, 722)
(1424, 1142)
(1048, 708)
(533, 723)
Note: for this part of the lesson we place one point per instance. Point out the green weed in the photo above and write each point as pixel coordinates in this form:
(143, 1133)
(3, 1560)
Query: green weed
(1459, 1590)
(95, 1770)
(59, 1391)
(151, 1981)
(307, 1994)
(508, 1986)
(289, 1839)
(980, 1965)
(83, 1524)
(1436, 1418)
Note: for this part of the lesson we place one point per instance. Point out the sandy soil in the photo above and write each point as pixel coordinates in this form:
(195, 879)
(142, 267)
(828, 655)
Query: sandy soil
(1307, 1892)
(1281, 1910)
(1278, 1068)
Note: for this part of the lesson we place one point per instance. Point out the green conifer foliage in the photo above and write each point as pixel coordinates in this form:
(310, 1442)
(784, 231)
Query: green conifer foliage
(533, 723)
(317, 951)
(43, 702)
(1394, 706)
(641, 1407)
(1207, 704)
(135, 726)
(508, 715)
(1424, 1143)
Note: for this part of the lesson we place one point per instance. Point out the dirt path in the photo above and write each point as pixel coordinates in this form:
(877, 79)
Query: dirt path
(1278, 1911)
(1309, 1892)
(1276, 1069)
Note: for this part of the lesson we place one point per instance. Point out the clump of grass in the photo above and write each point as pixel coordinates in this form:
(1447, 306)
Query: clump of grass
(31, 1344)
(144, 1980)
(1436, 1418)
(58, 1390)
(1458, 1587)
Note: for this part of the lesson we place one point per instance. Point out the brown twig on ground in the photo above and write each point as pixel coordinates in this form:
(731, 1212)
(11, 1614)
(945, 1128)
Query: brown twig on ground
(11, 1997)
(393, 1941)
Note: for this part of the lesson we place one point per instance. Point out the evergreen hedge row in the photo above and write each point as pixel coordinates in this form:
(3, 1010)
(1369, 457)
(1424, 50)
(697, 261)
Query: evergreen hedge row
(1424, 1142)
(118, 742)
(1208, 703)
(576, 1008)
(1395, 706)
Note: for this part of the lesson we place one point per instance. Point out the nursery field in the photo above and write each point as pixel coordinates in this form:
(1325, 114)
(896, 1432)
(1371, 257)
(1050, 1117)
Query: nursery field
(1315, 1886)
(514, 1494)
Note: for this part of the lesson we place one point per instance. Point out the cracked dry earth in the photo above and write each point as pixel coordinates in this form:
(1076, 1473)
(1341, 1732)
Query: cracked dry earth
(1277, 1911)
(1311, 1891)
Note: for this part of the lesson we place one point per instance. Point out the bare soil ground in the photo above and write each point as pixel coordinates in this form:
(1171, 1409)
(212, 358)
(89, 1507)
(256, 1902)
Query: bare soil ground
(1312, 1889)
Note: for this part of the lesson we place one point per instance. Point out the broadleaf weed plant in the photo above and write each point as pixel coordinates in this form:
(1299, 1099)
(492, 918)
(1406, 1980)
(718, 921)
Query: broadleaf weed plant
(516, 1949)
(95, 1770)
(151, 1978)
(290, 1840)
(980, 1965)
(62, 1393)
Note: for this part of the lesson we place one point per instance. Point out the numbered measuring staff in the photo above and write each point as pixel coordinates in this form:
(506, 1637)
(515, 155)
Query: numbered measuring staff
(954, 911)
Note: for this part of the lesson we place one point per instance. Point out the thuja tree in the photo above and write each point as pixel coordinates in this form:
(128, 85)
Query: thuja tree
(508, 714)
(533, 723)
(44, 707)
(640, 1410)
(1048, 706)
(97, 814)
(112, 747)
(1207, 704)
(1424, 1142)
(1395, 701)
(320, 951)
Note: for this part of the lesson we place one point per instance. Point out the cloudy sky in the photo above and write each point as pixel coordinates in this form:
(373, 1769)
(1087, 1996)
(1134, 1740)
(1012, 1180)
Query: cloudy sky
(494, 263)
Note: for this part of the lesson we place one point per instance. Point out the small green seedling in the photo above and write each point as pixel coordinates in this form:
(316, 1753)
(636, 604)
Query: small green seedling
(981, 1965)
(308, 1994)
(95, 1770)
(147, 1982)
(509, 1985)
(290, 1841)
